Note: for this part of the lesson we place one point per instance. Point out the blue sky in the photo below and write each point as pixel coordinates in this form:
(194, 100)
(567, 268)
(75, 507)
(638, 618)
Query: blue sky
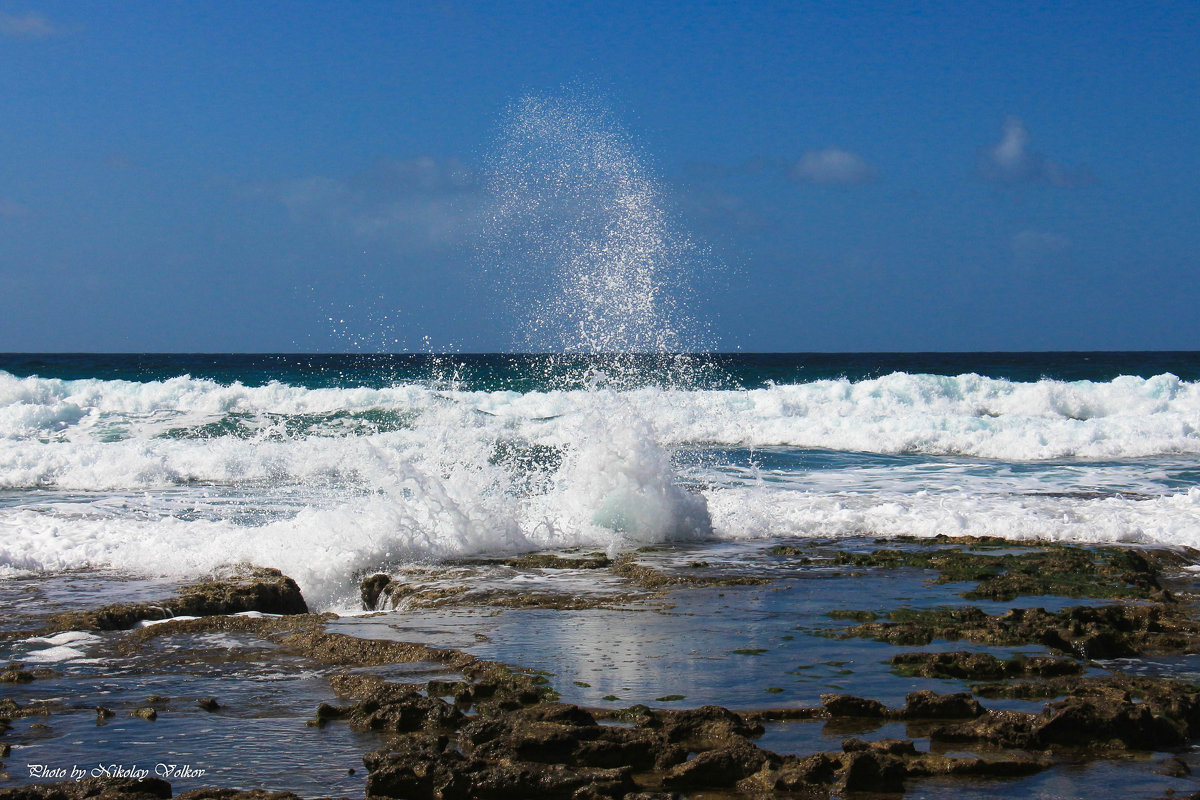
(228, 176)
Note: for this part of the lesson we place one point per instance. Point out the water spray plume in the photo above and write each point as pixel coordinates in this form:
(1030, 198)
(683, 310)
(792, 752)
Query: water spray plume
(582, 235)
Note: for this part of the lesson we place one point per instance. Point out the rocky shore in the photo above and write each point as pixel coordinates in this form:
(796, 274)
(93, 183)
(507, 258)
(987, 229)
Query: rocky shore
(498, 730)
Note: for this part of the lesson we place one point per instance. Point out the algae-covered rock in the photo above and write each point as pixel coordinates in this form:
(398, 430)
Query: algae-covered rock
(1112, 631)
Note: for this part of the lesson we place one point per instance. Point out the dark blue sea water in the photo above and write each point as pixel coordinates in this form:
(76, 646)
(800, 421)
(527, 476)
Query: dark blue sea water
(523, 372)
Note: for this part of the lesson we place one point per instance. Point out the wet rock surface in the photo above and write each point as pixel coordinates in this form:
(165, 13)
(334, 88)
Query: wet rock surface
(498, 731)
(1044, 569)
(1087, 632)
(268, 591)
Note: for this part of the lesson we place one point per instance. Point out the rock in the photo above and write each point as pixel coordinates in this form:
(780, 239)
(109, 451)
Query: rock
(1001, 728)
(392, 708)
(928, 705)
(370, 589)
(1100, 720)
(251, 589)
(716, 768)
(797, 775)
(146, 713)
(257, 589)
(420, 766)
(13, 673)
(871, 771)
(961, 664)
(208, 704)
(1174, 767)
(563, 713)
(712, 724)
(896, 747)
(103, 713)
(845, 705)
(94, 788)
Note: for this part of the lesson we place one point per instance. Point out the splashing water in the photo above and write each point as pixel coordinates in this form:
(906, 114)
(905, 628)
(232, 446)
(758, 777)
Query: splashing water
(576, 208)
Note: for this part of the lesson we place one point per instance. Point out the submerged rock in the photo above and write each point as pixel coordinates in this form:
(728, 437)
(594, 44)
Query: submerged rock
(1086, 632)
(969, 665)
(16, 673)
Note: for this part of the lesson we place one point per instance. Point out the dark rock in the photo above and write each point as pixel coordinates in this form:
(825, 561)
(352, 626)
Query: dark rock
(871, 771)
(897, 747)
(103, 713)
(13, 673)
(928, 705)
(252, 589)
(1099, 720)
(370, 589)
(257, 589)
(1174, 767)
(845, 705)
(961, 664)
(705, 724)
(563, 713)
(146, 713)
(419, 766)
(716, 768)
(1001, 728)
(805, 773)
(967, 665)
(98, 788)
(208, 704)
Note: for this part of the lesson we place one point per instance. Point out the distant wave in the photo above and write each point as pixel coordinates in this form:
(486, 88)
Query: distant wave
(965, 415)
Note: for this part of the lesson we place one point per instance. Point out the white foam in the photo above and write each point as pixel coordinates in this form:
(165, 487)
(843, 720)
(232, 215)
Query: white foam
(53, 655)
(67, 637)
(101, 476)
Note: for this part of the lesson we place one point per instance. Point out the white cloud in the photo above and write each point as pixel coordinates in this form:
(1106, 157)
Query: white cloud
(27, 26)
(832, 165)
(1011, 161)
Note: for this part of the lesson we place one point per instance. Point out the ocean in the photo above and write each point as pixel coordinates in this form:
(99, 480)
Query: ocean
(332, 467)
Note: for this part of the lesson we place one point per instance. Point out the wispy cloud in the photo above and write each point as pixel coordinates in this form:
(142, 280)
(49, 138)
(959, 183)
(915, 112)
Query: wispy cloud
(1012, 161)
(833, 166)
(27, 26)
(1030, 246)
(417, 203)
